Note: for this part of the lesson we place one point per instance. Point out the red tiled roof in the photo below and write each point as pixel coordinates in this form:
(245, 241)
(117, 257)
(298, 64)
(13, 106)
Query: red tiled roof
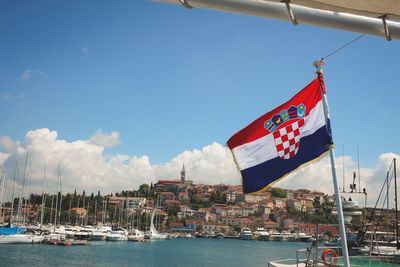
(169, 181)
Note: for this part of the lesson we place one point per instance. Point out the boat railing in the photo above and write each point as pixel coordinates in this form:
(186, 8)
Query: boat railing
(309, 257)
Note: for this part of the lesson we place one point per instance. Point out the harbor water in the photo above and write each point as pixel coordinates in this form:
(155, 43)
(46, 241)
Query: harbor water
(165, 253)
(174, 253)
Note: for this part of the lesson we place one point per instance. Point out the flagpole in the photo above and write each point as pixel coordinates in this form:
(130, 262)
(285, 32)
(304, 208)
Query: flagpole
(319, 64)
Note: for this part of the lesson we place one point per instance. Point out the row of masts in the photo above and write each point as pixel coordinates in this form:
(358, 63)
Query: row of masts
(121, 217)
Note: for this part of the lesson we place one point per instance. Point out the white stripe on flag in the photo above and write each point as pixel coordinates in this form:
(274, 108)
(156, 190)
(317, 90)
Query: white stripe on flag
(263, 149)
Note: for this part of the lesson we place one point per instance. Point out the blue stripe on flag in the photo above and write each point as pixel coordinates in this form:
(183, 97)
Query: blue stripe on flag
(258, 177)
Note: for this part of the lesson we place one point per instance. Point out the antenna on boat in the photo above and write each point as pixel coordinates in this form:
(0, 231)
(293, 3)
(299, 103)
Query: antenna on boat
(358, 166)
(343, 185)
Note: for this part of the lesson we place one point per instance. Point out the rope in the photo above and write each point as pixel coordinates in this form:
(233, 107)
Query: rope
(344, 46)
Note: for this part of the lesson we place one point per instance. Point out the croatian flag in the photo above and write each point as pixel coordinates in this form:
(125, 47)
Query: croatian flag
(283, 140)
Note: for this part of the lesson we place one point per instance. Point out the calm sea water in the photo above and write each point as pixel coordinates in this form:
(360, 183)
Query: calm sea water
(174, 253)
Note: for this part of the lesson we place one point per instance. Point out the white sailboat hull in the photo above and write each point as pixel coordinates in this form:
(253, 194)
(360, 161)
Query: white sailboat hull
(20, 239)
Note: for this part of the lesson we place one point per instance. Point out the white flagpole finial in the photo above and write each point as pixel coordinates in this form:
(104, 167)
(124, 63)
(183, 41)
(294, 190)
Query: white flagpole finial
(319, 65)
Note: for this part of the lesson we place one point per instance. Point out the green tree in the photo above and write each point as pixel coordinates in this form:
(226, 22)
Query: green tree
(278, 192)
(218, 197)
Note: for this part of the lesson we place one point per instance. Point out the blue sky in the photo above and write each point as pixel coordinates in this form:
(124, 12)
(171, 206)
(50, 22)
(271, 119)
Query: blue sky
(168, 80)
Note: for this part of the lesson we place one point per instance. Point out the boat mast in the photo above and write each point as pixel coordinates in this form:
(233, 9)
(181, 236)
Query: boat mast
(319, 64)
(395, 202)
(51, 208)
(69, 212)
(13, 193)
(43, 198)
(387, 203)
(61, 199)
(2, 181)
(20, 201)
(55, 213)
(76, 213)
(95, 212)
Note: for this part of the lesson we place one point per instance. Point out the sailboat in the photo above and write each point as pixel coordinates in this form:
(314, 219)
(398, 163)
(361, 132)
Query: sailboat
(154, 234)
(19, 236)
(382, 243)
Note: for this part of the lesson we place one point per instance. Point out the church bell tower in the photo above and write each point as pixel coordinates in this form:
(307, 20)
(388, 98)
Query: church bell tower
(183, 174)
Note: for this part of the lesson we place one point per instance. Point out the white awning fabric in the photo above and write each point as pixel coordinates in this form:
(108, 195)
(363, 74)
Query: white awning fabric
(374, 17)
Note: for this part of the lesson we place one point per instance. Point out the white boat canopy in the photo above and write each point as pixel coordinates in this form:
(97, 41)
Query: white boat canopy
(373, 17)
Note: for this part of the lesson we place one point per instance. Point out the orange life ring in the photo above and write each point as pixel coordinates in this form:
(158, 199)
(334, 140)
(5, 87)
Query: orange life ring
(333, 257)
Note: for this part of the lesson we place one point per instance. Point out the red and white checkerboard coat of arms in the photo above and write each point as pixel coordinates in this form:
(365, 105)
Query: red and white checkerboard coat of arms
(287, 138)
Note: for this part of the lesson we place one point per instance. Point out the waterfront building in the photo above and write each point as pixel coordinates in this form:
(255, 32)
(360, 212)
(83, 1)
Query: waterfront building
(220, 187)
(164, 196)
(279, 203)
(215, 227)
(270, 225)
(173, 226)
(80, 212)
(307, 204)
(264, 210)
(183, 175)
(203, 214)
(247, 210)
(294, 204)
(193, 224)
(290, 194)
(220, 210)
(128, 202)
(184, 197)
(230, 220)
(134, 202)
(177, 185)
(311, 229)
(185, 212)
(230, 196)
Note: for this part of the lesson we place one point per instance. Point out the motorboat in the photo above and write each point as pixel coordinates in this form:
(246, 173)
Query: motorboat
(288, 237)
(275, 236)
(135, 235)
(261, 234)
(246, 234)
(101, 233)
(116, 236)
(302, 237)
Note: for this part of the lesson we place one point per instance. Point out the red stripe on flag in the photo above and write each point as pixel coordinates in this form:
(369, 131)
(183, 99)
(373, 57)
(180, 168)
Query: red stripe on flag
(309, 96)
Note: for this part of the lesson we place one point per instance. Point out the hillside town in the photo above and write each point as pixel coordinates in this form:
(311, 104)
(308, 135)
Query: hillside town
(181, 207)
(185, 207)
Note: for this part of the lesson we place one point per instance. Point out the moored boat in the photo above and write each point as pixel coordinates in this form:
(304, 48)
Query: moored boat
(135, 235)
(246, 234)
(261, 234)
(21, 239)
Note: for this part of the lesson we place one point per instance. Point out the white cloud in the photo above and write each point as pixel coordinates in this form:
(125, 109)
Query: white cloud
(105, 139)
(318, 176)
(30, 74)
(85, 166)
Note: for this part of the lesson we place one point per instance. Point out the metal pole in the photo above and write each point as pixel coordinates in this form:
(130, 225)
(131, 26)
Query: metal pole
(342, 227)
